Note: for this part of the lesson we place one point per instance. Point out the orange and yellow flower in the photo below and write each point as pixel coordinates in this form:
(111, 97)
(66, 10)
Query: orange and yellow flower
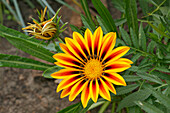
(90, 66)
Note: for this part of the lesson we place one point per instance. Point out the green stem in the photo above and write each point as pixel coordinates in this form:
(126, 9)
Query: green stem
(141, 85)
(113, 107)
(161, 86)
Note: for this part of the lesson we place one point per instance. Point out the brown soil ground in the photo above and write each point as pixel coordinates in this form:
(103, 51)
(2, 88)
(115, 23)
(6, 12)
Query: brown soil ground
(25, 90)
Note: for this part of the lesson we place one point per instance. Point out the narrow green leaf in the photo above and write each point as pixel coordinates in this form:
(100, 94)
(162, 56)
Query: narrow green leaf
(125, 36)
(103, 25)
(165, 100)
(5, 31)
(136, 57)
(134, 109)
(120, 21)
(67, 5)
(21, 62)
(105, 15)
(136, 96)
(158, 30)
(149, 108)
(134, 38)
(87, 12)
(142, 38)
(70, 109)
(126, 89)
(31, 48)
(149, 77)
(47, 73)
(163, 69)
(151, 46)
(144, 6)
(104, 107)
(131, 14)
(161, 75)
(131, 78)
(76, 29)
(119, 4)
(87, 24)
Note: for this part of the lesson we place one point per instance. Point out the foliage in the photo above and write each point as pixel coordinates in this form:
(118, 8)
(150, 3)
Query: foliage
(148, 37)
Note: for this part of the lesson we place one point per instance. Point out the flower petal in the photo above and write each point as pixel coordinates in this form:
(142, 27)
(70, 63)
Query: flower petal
(108, 43)
(103, 90)
(115, 54)
(110, 86)
(114, 78)
(85, 95)
(77, 88)
(66, 92)
(88, 38)
(68, 82)
(65, 49)
(67, 66)
(97, 40)
(81, 41)
(117, 67)
(64, 73)
(125, 60)
(94, 90)
(75, 48)
(67, 59)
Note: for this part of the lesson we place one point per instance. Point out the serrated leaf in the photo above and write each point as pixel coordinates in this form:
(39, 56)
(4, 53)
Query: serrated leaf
(87, 24)
(142, 38)
(87, 12)
(131, 14)
(21, 62)
(74, 28)
(136, 96)
(136, 57)
(165, 100)
(5, 32)
(161, 75)
(149, 108)
(151, 46)
(103, 25)
(134, 38)
(47, 73)
(105, 15)
(131, 78)
(125, 36)
(126, 89)
(31, 48)
(149, 77)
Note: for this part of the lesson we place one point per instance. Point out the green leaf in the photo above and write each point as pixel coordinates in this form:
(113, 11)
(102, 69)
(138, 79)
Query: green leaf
(87, 24)
(151, 46)
(163, 69)
(74, 28)
(136, 96)
(131, 14)
(103, 25)
(70, 109)
(158, 30)
(149, 77)
(31, 48)
(145, 6)
(131, 78)
(47, 73)
(105, 15)
(134, 109)
(87, 12)
(136, 57)
(161, 75)
(149, 108)
(134, 38)
(5, 32)
(120, 21)
(125, 36)
(126, 89)
(21, 62)
(165, 100)
(119, 4)
(142, 38)
(104, 107)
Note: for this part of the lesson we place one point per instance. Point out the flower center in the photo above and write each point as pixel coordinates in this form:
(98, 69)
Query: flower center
(93, 68)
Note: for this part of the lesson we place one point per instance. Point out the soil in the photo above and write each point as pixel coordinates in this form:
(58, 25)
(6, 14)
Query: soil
(25, 90)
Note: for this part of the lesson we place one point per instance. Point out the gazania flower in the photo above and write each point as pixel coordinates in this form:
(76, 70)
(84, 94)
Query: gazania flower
(90, 66)
(43, 30)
